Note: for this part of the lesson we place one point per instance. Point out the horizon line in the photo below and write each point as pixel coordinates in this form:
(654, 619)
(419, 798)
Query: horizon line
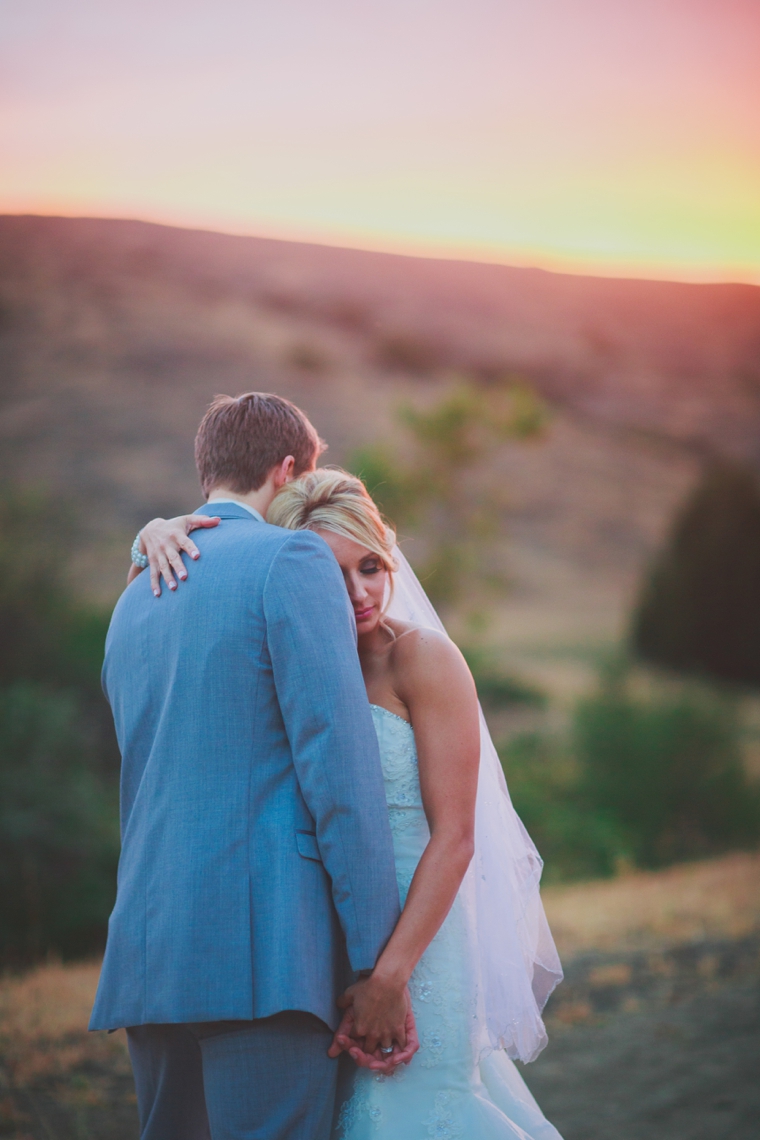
(543, 261)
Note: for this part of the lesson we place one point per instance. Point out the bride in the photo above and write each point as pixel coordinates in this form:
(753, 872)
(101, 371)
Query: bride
(472, 943)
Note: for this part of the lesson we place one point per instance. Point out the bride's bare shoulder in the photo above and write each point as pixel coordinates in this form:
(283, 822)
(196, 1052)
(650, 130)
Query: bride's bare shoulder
(425, 656)
(410, 638)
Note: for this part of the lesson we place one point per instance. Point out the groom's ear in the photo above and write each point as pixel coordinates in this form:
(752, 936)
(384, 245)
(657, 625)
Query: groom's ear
(285, 472)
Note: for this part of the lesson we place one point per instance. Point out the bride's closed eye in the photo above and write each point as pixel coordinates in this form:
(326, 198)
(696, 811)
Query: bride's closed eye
(370, 566)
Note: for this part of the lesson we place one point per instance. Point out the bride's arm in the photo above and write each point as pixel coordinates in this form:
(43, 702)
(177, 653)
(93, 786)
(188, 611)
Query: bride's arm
(437, 688)
(162, 540)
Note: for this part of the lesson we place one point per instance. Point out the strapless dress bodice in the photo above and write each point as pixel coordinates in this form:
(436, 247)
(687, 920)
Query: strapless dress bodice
(398, 756)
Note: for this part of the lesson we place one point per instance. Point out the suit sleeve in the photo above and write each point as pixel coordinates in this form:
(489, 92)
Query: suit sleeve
(312, 645)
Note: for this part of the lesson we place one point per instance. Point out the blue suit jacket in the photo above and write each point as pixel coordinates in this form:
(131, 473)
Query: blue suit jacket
(257, 864)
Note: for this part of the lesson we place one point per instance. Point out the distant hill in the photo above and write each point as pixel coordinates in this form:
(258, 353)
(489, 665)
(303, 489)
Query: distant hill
(115, 334)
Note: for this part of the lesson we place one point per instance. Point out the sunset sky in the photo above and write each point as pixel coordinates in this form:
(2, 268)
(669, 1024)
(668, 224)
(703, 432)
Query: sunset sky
(619, 136)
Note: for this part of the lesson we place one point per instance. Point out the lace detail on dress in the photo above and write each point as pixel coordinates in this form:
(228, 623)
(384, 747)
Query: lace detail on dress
(398, 754)
(366, 1099)
(441, 1123)
(383, 709)
(439, 997)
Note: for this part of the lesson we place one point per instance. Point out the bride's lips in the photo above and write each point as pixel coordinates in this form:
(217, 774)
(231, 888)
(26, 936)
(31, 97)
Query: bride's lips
(362, 615)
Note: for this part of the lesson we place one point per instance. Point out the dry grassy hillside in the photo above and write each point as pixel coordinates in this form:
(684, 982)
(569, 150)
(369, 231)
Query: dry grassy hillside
(114, 336)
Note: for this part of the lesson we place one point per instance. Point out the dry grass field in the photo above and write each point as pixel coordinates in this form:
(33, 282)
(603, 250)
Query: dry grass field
(715, 900)
(662, 974)
(58, 1081)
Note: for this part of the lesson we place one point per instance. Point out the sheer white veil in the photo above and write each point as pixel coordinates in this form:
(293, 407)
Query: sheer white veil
(513, 959)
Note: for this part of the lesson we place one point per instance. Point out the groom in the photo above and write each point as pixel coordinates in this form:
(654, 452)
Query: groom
(257, 875)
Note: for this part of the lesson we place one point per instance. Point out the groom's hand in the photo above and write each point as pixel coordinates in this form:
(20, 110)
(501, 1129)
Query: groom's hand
(377, 1016)
(345, 1041)
(379, 1007)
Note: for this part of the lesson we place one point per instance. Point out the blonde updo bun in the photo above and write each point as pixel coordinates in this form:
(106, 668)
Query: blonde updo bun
(331, 499)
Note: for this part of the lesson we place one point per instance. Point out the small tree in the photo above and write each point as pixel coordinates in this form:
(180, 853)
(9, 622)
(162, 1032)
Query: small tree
(699, 610)
(436, 484)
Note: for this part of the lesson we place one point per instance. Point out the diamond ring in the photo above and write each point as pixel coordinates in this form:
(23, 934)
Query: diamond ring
(386, 1051)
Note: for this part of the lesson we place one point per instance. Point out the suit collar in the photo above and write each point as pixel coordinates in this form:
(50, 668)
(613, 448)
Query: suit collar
(225, 509)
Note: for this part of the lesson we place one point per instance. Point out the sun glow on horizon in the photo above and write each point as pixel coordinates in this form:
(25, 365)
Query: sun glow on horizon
(573, 135)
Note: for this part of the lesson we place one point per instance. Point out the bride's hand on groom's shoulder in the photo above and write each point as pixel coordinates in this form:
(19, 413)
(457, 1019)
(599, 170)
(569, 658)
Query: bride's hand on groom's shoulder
(376, 1015)
(164, 540)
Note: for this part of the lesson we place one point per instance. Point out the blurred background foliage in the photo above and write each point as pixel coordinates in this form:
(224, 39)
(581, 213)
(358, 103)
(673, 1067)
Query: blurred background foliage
(699, 609)
(58, 756)
(432, 480)
(644, 775)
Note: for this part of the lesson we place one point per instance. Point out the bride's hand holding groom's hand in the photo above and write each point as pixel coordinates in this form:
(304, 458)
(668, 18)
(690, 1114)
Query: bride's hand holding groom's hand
(386, 1064)
(377, 1015)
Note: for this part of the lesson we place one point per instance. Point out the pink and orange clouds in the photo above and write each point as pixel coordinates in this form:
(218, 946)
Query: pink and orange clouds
(614, 135)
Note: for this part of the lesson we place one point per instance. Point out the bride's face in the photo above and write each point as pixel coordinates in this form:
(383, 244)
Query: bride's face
(365, 578)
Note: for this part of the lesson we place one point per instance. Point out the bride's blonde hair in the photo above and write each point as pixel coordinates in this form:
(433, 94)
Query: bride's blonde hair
(331, 499)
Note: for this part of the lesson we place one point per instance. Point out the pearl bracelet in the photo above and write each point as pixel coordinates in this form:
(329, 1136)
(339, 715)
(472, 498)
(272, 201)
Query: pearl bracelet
(138, 557)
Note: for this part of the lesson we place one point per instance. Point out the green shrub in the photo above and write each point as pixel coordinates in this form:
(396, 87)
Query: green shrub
(574, 840)
(46, 633)
(58, 828)
(666, 770)
(58, 754)
(699, 609)
(638, 780)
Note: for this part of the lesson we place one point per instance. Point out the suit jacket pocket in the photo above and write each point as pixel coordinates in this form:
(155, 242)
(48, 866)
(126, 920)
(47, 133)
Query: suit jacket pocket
(307, 845)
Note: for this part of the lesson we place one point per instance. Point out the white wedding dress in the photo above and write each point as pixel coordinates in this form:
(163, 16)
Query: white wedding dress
(445, 1092)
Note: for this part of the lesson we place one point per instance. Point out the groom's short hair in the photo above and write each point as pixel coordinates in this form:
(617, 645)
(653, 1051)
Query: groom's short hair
(241, 438)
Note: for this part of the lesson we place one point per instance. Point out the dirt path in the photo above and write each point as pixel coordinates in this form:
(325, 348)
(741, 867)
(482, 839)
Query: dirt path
(664, 1054)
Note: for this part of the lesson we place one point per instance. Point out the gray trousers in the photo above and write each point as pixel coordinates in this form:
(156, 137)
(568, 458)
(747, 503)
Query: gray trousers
(269, 1079)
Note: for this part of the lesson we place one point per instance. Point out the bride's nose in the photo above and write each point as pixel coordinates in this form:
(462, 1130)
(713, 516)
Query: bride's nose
(357, 588)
